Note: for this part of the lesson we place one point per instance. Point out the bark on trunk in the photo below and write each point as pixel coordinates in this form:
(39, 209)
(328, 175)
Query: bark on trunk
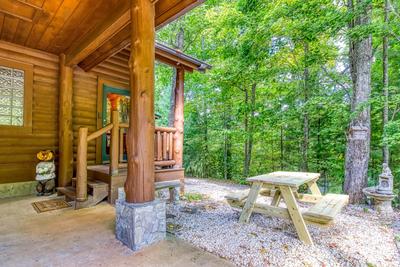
(358, 138)
(306, 77)
(249, 128)
(227, 145)
(385, 149)
(246, 128)
(205, 151)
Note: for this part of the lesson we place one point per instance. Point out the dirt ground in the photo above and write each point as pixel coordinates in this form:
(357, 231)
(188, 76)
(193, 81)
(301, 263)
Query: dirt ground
(84, 237)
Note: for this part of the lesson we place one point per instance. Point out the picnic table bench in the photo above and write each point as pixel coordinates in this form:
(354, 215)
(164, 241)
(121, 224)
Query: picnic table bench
(284, 186)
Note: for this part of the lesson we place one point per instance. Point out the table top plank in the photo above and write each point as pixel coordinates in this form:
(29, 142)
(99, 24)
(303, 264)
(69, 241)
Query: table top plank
(293, 179)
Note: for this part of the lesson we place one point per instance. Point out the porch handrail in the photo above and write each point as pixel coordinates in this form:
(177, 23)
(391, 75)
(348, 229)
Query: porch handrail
(157, 128)
(163, 150)
(81, 156)
(100, 132)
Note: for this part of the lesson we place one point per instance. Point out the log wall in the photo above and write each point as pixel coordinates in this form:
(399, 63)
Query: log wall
(85, 86)
(18, 152)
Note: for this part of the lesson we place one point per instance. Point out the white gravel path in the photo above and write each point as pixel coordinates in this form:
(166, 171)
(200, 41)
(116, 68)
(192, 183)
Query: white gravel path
(357, 238)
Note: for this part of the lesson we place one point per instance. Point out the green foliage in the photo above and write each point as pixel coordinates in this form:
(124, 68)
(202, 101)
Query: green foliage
(193, 197)
(271, 44)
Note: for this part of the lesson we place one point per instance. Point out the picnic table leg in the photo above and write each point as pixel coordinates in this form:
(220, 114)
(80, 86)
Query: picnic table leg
(276, 199)
(295, 214)
(251, 200)
(314, 188)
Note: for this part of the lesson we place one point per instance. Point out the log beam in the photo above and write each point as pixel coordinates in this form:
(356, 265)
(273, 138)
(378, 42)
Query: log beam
(139, 185)
(179, 121)
(65, 125)
(114, 36)
(97, 38)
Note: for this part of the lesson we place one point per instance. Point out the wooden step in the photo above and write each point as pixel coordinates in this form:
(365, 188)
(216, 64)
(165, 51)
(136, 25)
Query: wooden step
(91, 183)
(68, 191)
(97, 192)
(326, 209)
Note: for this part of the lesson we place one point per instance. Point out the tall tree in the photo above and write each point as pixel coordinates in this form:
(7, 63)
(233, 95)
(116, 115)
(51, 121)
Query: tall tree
(385, 79)
(358, 138)
(306, 130)
(249, 127)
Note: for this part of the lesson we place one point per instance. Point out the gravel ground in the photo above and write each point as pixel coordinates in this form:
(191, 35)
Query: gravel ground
(357, 238)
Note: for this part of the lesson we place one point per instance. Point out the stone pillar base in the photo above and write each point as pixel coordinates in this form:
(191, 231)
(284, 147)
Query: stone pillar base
(140, 225)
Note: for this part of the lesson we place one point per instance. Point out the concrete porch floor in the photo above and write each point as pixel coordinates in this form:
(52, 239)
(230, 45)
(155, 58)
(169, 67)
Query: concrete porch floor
(83, 237)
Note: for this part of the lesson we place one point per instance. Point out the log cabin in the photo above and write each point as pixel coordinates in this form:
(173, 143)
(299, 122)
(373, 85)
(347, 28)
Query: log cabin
(77, 77)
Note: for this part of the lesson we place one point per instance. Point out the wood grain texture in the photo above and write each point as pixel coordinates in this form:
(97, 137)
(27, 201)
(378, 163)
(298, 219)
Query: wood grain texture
(295, 214)
(165, 12)
(139, 185)
(18, 152)
(251, 200)
(81, 165)
(114, 145)
(65, 169)
(179, 122)
(87, 99)
(294, 179)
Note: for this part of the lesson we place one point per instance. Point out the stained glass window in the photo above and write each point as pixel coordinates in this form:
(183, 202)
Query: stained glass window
(11, 96)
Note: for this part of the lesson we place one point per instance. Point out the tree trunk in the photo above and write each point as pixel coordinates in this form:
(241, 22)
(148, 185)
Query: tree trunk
(385, 149)
(246, 129)
(281, 148)
(358, 138)
(179, 45)
(205, 140)
(306, 130)
(227, 145)
(249, 128)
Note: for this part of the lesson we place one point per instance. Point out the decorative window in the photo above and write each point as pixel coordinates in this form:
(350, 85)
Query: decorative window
(16, 80)
(11, 96)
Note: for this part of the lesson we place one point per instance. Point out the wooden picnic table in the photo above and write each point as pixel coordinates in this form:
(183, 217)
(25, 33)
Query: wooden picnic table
(286, 185)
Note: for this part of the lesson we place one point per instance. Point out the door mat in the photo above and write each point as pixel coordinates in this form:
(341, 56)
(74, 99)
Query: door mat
(48, 205)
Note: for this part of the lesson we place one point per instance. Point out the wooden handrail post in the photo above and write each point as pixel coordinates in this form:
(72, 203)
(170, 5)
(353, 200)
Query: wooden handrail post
(114, 144)
(81, 165)
(121, 144)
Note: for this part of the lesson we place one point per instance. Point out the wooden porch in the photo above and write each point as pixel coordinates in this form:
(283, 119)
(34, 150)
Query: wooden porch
(94, 183)
(71, 50)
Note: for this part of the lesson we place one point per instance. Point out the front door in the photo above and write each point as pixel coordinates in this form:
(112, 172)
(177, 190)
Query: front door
(114, 99)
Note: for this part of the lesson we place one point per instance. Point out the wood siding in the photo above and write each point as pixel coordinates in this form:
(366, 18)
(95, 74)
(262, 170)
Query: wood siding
(85, 86)
(18, 152)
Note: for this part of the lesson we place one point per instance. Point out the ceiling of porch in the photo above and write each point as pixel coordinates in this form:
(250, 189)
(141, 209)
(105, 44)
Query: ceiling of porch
(82, 29)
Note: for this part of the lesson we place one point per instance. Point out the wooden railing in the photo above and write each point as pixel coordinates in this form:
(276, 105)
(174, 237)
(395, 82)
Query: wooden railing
(163, 150)
(164, 146)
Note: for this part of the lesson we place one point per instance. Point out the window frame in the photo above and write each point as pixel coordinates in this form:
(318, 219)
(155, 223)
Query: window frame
(26, 128)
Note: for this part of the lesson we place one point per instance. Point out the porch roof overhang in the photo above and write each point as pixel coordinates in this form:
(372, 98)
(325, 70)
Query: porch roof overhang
(87, 32)
(176, 58)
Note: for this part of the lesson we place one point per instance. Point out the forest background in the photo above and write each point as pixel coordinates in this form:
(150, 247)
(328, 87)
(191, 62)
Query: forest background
(280, 93)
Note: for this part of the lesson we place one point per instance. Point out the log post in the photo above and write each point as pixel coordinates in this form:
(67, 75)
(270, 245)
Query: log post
(121, 144)
(179, 122)
(81, 165)
(139, 185)
(65, 160)
(114, 144)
